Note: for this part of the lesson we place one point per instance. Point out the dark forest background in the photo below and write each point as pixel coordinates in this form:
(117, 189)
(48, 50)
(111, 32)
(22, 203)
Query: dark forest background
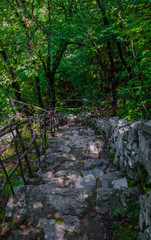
(54, 51)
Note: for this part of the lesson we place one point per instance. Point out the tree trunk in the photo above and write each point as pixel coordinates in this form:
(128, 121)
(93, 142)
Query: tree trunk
(123, 60)
(39, 92)
(51, 80)
(11, 100)
(112, 82)
(15, 85)
(12, 73)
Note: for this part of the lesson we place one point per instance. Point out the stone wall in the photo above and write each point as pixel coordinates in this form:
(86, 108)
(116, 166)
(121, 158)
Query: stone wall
(131, 144)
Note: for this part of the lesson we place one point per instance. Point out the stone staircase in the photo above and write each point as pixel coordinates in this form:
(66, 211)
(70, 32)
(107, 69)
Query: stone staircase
(76, 193)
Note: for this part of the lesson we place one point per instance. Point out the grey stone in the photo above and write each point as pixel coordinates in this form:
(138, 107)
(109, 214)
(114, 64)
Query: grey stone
(88, 181)
(148, 204)
(129, 147)
(62, 117)
(70, 223)
(96, 172)
(132, 173)
(130, 193)
(48, 188)
(79, 194)
(51, 229)
(142, 201)
(148, 232)
(51, 160)
(107, 200)
(65, 149)
(95, 163)
(147, 127)
(144, 151)
(66, 205)
(146, 235)
(138, 124)
(108, 178)
(46, 176)
(144, 218)
(134, 146)
(122, 123)
(82, 117)
(68, 164)
(94, 146)
(103, 194)
(125, 130)
(29, 205)
(26, 234)
(104, 126)
(132, 135)
(141, 220)
(61, 173)
(120, 183)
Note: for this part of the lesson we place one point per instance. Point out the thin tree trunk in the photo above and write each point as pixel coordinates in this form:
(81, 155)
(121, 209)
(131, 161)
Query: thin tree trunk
(12, 73)
(123, 60)
(39, 92)
(111, 79)
(11, 101)
(52, 96)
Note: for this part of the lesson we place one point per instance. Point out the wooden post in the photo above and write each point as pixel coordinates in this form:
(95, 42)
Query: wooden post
(23, 148)
(11, 187)
(50, 123)
(84, 104)
(45, 131)
(41, 133)
(56, 121)
(35, 142)
(20, 163)
(11, 100)
(40, 127)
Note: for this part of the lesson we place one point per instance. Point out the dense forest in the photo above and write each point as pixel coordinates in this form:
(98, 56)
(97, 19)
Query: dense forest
(55, 51)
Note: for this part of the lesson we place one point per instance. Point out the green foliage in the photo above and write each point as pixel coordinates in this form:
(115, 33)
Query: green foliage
(143, 183)
(116, 212)
(84, 211)
(125, 232)
(143, 178)
(59, 220)
(98, 131)
(15, 181)
(127, 228)
(67, 45)
(111, 156)
(91, 200)
(132, 182)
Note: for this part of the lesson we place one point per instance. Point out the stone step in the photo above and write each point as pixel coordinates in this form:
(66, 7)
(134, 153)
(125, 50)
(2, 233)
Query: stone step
(79, 193)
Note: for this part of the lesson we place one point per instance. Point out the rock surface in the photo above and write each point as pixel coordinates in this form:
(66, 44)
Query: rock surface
(130, 142)
(79, 192)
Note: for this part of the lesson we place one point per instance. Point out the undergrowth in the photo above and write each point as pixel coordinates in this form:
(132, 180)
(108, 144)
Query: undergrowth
(126, 228)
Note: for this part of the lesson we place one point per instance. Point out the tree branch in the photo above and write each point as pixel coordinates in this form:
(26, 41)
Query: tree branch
(38, 22)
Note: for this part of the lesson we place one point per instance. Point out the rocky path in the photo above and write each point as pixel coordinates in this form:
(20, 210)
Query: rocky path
(77, 192)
